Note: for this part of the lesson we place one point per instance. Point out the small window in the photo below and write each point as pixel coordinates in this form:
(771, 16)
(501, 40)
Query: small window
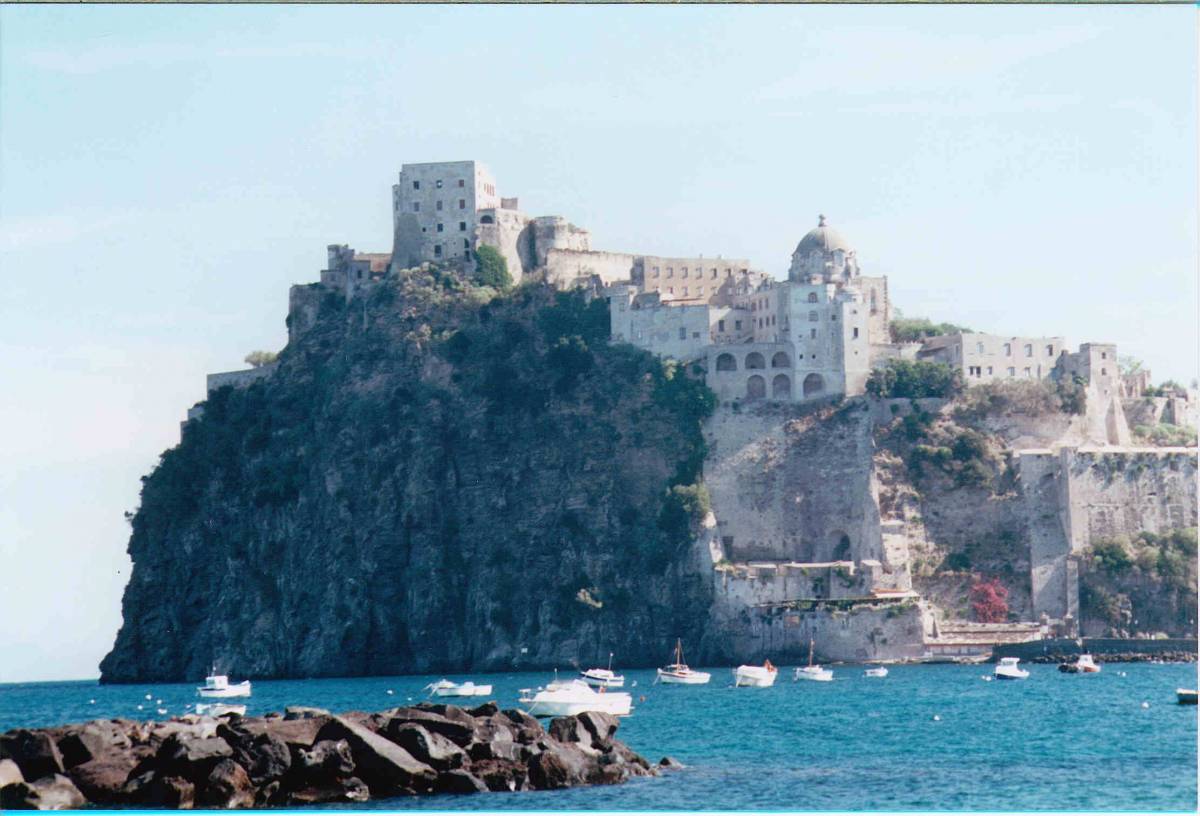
(1008, 350)
(989, 371)
(440, 226)
(813, 317)
(1104, 355)
(439, 206)
(1028, 350)
(462, 226)
(720, 325)
(728, 271)
(1049, 351)
(1012, 372)
(685, 291)
(833, 317)
(656, 271)
(462, 183)
(714, 272)
(812, 333)
(737, 325)
(812, 297)
(437, 250)
(670, 290)
(416, 185)
(462, 203)
(699, 290)
(695, 335)
(682, 333)
(1104, 372)
(1028, 373)
(856, 334)
(979, 348)
(416, 206)
(670, 272)
(974, 371)
(684, 270)
(360, 274)
(438, 184)
(466, 244)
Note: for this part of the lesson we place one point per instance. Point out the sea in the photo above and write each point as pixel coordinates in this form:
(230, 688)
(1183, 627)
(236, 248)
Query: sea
(924, 738)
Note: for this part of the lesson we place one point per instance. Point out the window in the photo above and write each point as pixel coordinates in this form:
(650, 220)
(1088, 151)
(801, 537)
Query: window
(437, 250)
(682, 333)
(737, 325)
(833, 317)
(728, 271)
(656, 271)
(360, 274)
(416, 206)
(440, 226)
(1028, 350)
(685, 272)
(720, 325)
(670, 290)
(1012, 372)
(1008, 350)
(670, 272)
(856, 334)
(699, 290)
(416, 185)
(685, 291)
(438, 184)
(812, 333)
(462, 203)
(1104, 355)
(979, 348)
(462, 183)
(812, 297)
(1028, 373)
(714, 272)
(1050, 351)
(695, 335)
(974, 371)
(813, 317)
(462, 226)
(989, 371)
(439, 206)
(466, 244)
(1104, 372)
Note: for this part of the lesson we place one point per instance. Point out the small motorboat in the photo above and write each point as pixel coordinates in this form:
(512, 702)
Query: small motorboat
(755, 676)
(1082, 665)
(1186, 696)
(445, 688)
(876, 671)
(1007, 669)
(605, 678)
(574, 697)
(812, 671)
(220, 709)
(218, 685)
(679, 673)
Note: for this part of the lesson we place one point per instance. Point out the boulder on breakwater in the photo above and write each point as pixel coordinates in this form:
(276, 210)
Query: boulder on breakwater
(309, 758)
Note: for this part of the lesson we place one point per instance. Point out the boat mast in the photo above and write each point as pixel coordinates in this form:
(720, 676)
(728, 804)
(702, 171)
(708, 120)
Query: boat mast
(810, 651)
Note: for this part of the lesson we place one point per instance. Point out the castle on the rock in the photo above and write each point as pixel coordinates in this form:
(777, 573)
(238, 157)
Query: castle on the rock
(815, 335)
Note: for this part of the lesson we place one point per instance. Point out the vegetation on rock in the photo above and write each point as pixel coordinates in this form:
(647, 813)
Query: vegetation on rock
(1145, 583)
(491, 269)
(915, 379)
(916, 329)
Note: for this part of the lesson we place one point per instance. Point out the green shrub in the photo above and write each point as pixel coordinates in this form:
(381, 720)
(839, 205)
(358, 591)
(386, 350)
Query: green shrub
(915, 329)
(491, 269)
(1112, 555)
(915, 379)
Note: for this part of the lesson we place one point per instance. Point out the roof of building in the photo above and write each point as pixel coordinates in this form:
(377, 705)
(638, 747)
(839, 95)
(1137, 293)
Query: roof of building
(823, 238)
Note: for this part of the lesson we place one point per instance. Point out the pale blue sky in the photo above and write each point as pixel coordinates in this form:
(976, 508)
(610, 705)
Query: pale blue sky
(167, 172)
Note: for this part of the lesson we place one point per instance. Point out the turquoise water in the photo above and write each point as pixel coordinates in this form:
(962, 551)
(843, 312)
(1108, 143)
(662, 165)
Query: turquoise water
(1053, 742)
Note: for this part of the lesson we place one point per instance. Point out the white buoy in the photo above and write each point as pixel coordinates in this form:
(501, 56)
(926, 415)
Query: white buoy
(391, 692)
(149, 696)
(139, 706)
(92, 701)
(162, 711)
(1145, 705)
(937, 718)
(158, 701)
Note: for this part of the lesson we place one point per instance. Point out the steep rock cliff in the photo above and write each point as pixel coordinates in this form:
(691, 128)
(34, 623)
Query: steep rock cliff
(433, 479)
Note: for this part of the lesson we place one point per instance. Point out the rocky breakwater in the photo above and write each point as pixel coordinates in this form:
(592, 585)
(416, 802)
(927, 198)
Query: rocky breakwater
(309, 756)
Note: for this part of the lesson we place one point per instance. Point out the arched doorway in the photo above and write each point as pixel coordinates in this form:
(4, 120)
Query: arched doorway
(781, 387)
(781, 360)
(726, 362)
(755, 360)
(814, 385)
(756, 388)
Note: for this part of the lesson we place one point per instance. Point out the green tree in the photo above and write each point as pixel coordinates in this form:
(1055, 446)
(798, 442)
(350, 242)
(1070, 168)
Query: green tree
(916, 329)
(257, 359)
(915, 379)
(491, 269)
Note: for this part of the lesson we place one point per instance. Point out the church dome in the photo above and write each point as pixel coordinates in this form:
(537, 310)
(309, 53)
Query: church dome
(822, 238)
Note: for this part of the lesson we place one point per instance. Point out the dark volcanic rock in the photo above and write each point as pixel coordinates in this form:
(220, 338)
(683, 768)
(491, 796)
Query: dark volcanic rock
(386, 767)
(327, 762)
(430, 748)
(35, 753)
(347, 790)
(191, 757)
(53, 792)
(459, 781)
(304, 713)
(101, 779)
(392, 434)
(458, 731)
(227, 786)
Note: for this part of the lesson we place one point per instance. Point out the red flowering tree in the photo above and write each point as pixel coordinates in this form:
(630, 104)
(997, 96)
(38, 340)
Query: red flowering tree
(989, 599)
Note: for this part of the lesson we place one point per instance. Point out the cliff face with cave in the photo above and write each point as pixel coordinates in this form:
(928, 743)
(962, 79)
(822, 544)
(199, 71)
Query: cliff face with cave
(428, 481)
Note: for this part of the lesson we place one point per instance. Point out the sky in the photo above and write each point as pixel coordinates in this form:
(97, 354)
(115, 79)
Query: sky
(167, 172)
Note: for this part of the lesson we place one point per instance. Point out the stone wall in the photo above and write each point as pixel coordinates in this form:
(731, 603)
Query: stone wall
(567, 267)
(239, 379)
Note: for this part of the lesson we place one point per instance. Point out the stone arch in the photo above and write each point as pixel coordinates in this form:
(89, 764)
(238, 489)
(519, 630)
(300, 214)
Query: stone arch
(726, 362)
(755, 360)
(781, 360)
(781, 387)
(814, 385)
(756, 388)
(486, 219)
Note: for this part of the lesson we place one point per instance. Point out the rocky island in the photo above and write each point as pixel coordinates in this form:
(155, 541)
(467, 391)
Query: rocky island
(509, 450)
(309, 756)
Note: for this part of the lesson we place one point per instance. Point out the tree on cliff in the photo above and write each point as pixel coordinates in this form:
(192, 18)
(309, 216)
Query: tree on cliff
(914, 379)
(491, 269)
(989, 600)
(915, 329)
(257, 359)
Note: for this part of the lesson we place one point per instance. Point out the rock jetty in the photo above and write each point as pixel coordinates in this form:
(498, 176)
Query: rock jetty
(309, 756)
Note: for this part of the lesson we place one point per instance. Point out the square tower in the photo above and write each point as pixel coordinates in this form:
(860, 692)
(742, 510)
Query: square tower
(435, 207)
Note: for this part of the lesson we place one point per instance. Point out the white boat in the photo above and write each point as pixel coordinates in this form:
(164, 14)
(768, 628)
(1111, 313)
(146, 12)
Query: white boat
(878, 671)
(574, 697)
(218, 685)
(812, 671)
(1007, 669)
(755, 676)
(220, 709)
(445, 688)
(679, 673)
(605, 678)
(1082, 665)
(1185, 696)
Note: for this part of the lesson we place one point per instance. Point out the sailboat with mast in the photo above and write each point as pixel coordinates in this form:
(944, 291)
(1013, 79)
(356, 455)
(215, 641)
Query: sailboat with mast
(812, 671)
(678, 671)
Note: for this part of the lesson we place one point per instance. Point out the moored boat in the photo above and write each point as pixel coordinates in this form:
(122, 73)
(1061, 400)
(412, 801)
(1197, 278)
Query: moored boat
(574, 697)
(755, 676)
(1082, 665)
(678, 672)
(218, 685)
(605, 678)
(877, 671)
(813, 671)
(1186, 696)
(1007, 669)
(446, 688)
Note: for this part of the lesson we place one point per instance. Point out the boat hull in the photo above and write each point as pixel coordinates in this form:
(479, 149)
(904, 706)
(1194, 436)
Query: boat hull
(566, 708)
(616, 681)
(1186, 696)
(689, 679)
(236, 690)
(1018, 674)
(463, 691)
(819, 676)
(754, 677)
